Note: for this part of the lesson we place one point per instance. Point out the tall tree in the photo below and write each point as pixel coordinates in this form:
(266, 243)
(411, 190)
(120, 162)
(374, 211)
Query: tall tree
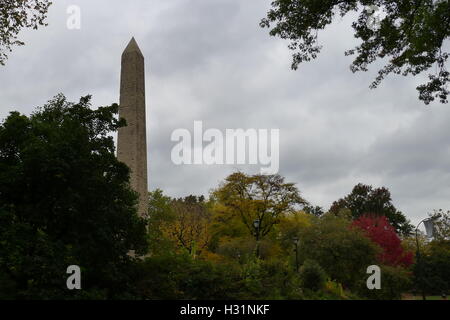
(65, 200)
(265, 198)
(365, 199)
(410, 38)
(18, 14)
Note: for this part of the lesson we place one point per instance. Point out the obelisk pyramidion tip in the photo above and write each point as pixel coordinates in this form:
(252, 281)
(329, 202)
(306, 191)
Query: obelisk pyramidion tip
(132, 47)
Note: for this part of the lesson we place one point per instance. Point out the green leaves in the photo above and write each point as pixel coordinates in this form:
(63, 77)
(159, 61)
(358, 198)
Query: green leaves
(18, 14)
(365, 199)
(65, 199)
(343, 253)
(411, 36)
(312, 276)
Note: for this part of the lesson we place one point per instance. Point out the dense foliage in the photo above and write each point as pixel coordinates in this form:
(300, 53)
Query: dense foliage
(344, 253)
(377, 201)
(312, 276)
(381, 232)
(431, 272)
(65, 200)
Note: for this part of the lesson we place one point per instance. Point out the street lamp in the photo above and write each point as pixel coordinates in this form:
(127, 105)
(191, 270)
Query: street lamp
(257, 225)
(295, 239)
(429, 225)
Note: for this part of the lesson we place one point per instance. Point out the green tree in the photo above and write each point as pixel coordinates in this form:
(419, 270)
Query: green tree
(312, 276)
(410, 38)
(65, 200)
(18, 14)
(343, 252)
(292, 226)
(365, 199)
(432, 273)
(268, 279)
(314, 210)
(394, 282)
(160, 214)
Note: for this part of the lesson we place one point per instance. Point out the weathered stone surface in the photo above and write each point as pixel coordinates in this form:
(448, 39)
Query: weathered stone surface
(131, 141)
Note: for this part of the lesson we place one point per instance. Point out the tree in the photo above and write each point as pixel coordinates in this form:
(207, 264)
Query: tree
(314, 210)
(365, 199)
(18, 14)
(380, 231)
(65, 200)
(394, 282)
(411, 37)
(190, 228)
(265, 198)
(441, 224)
(292, 226)
(178, 223)
(312, 276)
(160, 215)
(344, 253)
(432, 274)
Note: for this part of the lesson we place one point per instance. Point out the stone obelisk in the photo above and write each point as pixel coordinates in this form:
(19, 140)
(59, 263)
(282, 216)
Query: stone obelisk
(131, 140)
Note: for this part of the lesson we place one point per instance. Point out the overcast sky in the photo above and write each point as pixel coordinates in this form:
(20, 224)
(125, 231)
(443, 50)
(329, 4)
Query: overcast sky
(209, 60)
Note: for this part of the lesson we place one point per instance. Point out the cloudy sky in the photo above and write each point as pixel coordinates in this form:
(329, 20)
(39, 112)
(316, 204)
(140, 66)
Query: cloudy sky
(210, 61)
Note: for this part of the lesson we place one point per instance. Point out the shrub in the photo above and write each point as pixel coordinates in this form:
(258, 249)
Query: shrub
(312, 276)
(343, 252)
(394, 281)
(271, 279)
(178, 276)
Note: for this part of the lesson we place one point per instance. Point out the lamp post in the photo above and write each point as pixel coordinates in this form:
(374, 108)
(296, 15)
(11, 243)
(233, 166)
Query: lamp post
(257, 225)
(428, 222)
(295, 239)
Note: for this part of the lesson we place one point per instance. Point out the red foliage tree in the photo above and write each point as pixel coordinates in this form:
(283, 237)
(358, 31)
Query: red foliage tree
(380, 231)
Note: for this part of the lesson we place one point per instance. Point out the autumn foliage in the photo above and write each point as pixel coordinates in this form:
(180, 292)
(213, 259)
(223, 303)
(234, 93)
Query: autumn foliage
(381, 232)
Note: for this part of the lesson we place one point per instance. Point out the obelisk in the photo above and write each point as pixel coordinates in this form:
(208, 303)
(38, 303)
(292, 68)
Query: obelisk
(131, 140)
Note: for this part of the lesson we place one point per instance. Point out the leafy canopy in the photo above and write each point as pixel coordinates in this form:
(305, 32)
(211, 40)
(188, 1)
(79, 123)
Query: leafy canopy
(410, 38)
(65, 199)
(265, 198)
(18, 14)
(365, 199)
(380, 231)
(344, 253)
